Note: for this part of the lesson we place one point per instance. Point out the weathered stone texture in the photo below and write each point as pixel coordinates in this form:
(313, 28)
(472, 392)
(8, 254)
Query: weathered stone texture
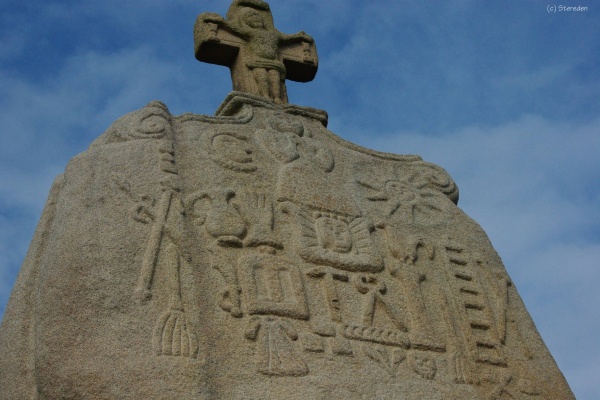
(256, 255)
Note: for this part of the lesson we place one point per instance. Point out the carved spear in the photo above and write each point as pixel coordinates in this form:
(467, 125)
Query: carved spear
(143, 289)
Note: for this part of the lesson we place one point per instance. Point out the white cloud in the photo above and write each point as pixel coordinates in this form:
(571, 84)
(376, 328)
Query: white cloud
(91, 90)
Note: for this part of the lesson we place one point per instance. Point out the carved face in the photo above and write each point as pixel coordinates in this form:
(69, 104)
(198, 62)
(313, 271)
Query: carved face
(233, 148)
(334, 234)
(253, 19)
(285, 123)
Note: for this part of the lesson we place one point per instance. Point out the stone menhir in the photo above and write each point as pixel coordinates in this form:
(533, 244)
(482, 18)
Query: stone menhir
(257, 255)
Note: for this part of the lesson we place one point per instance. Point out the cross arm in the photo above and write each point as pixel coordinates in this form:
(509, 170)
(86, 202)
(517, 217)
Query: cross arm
(214, 41)
(299, 57)
(217, 42)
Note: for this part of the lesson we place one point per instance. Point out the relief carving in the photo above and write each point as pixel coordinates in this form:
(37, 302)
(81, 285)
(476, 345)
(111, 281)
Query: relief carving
(332, 239)
(281, 139)
(235, 220)
(142, 209)
(373, 334)
(498, 293)
(502, 388)
(283, 122)
(161, 216)
(306, 180)
(280, 145)
(230, 149)
(230, 300)
(470, 314)
(333, 233)
(374, 289)
(276, 352)
(287, 140)
(509, 385)
(174, 335)
(388, 359)
(461, 368)
(257, 212)
(338, 346)
(153, 246)
(326, 310)
(414, 196)
(272, 285)
(316, 153)
(159, 228)
(167, 164)
(153, 123)
(337, 242)
(412, 255)
(423, 364)
(407, 201)
(374, 301)
(214, 210)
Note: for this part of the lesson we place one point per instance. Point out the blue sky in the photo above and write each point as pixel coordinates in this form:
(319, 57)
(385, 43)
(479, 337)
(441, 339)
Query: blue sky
(504, 95)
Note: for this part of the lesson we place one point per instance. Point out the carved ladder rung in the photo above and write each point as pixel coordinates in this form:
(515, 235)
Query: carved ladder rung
(480, 325)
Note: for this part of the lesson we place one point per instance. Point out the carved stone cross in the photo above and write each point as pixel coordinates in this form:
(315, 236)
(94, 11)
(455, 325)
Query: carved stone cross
(259, 56)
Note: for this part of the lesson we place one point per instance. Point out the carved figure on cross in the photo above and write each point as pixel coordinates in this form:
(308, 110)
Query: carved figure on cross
(259, 56)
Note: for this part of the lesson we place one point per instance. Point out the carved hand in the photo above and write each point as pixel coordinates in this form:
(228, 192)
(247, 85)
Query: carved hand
(305, 37)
